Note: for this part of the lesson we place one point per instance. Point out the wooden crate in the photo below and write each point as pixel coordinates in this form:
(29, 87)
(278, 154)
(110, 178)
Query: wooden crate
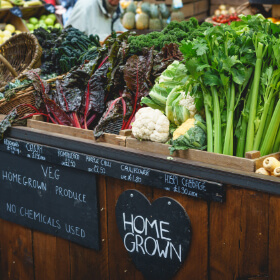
(7, 17)
(250, 163)
(75, 132)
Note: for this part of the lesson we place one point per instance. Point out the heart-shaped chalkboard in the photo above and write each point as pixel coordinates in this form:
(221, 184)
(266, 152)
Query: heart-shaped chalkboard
(157, 236)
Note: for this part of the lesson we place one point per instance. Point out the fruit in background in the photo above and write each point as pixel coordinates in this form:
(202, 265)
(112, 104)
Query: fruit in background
(154, 13)
(145, 7)
(177, 15)
(124, 4)
(49, 21)
(58, 26)
(18, 32)
(10, 28)
(5, 38)
(6, 5)
(7, 33)
(32, 3)
(43, 17)
(129, 20)
(131, 8)
(52, 16)
(17, 2)
(30, 26)
(33, 20)
(142, 21)
(43, 25)
(155, 24)
(165, 13)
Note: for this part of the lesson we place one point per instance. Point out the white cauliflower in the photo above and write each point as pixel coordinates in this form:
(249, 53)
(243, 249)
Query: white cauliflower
(151, 124)
(188, 102)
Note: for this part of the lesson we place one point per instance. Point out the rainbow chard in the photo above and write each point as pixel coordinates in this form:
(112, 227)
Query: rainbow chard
(137, 72)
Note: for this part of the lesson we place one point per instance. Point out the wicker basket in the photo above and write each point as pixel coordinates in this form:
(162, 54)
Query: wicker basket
(25, 96)
(20, 53)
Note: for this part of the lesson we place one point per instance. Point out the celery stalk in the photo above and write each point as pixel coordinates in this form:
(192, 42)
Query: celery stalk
(209, 129)
(272, 130)
(277, 142)
(229, 128)
(253, 106)
(258, 137)
(217, 123)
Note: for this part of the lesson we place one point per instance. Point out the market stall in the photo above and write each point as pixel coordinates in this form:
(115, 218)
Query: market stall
(143, 157)
(233, 233)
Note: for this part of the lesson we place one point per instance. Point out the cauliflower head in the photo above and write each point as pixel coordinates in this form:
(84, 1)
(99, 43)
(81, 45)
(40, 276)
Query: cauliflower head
(151, 124)
(189, 102)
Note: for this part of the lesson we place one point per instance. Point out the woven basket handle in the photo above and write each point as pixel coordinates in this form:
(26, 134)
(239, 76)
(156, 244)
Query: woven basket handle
(8, 65)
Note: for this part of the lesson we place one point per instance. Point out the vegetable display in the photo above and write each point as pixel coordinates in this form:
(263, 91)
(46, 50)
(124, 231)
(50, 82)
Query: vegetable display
(205, 87)
(271, 166)
(234, 69)
(64, 49)
(174, 32)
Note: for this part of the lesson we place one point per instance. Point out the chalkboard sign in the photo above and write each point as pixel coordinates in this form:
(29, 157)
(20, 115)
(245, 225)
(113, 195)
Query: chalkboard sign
(50, 8)
(16, 11)
(49, 198)
(157, 236)
(184, 185)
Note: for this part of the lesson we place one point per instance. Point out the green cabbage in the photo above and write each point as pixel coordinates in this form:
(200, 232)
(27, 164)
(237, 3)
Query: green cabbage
(174, 75)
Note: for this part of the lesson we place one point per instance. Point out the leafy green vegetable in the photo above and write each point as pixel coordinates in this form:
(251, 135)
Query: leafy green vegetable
(64, 49)
(7, 122)
(194, 137)
(174, 75)
(175, 32)
(214, 63)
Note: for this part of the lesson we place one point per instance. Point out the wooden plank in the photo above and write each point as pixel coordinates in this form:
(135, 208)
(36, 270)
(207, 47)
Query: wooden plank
(228, 3)
(276, 11)
(253, 154)
(86, 263)
(76, 132)
(201, 17)
(201, 6)
(120, 263)
(15, 252)
(188, 1)
(196, 263)
(274, 237)
(188, 10)
(125, 132)
(51, 257)
(196, 155)
(253, 251)
(224, 233)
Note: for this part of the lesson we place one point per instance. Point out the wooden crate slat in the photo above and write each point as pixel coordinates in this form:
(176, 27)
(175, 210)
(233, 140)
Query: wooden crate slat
(76, 132)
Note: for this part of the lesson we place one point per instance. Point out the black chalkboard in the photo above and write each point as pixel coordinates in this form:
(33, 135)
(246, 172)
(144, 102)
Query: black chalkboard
(157, 236)
(49, 198)
(16, 11)
(50, 8)
(189, 186)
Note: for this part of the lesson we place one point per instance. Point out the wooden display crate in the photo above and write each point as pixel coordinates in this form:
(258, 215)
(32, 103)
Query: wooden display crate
(7, 17)
(250, 163)
(37, 123)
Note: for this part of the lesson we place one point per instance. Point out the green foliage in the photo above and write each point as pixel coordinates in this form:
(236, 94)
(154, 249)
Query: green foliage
(174, 32)
(64, 49)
